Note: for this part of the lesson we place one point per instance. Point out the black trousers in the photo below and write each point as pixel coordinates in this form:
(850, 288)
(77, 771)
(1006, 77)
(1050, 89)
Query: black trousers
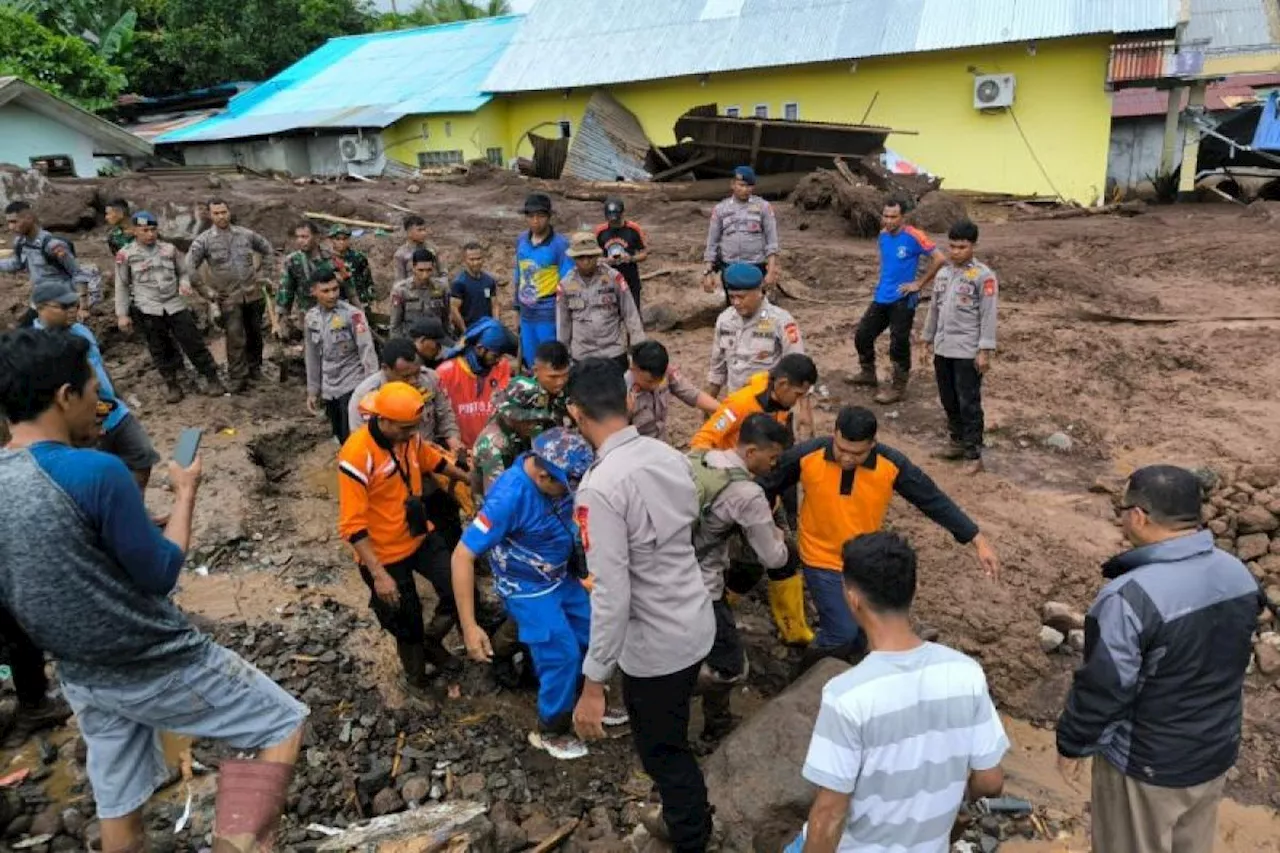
(960, 390)
(26, 662)
(431, 560)
(726, 655)
(898, 318)
(659, 709)
(169, 337)
(336, 411)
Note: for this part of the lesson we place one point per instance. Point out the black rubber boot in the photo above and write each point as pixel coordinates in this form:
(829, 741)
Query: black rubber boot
(437, 655)
(413, 659)
(865, 377)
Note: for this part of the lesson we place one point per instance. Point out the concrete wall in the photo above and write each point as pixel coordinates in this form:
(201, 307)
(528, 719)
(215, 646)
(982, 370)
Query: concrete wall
(1061, 102)
(273, 154)
(1136, 147)
(471, 133)
(25, 134)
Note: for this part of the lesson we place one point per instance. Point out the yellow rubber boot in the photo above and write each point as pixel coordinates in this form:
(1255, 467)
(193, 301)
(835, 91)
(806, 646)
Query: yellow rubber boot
(786, 600)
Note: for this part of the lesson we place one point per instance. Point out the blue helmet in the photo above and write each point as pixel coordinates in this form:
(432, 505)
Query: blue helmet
(565, 454)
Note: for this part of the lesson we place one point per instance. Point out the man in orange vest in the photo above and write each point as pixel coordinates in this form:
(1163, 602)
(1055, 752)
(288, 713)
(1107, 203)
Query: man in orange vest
(848, 479)
(383, 469)
(474, 372)
(775, 393)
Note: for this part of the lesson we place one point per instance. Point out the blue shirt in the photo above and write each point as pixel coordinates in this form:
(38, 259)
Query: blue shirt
(108, 499)
(528, 535)
(476, 294)
(538, 272)
(900, 256)
(106, 392)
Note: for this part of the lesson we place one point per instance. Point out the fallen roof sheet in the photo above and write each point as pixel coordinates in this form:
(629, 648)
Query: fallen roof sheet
(112, 138)
(1136, 103)
(674, 38)
(368, 81)
(610, 144)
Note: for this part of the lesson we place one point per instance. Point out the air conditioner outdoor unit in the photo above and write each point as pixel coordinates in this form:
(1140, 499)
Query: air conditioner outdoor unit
(993, 91)
(356, 149)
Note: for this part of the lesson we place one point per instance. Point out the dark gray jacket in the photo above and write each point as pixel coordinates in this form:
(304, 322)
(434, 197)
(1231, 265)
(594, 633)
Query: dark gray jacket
(1167, 644)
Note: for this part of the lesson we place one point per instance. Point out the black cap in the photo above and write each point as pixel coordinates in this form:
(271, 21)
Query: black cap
(427, 327)
(613, 207)
(537, 203)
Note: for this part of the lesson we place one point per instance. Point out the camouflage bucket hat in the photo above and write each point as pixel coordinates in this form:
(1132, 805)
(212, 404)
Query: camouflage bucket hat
(524, 400)
(565, 454)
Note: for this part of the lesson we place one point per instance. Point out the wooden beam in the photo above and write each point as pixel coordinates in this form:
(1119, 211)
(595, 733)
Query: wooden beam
(358, 223)
(667, 175)
(795, 152)
(756, 133)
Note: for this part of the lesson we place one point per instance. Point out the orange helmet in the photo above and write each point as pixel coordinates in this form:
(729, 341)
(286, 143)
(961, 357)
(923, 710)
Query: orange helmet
(396, 401)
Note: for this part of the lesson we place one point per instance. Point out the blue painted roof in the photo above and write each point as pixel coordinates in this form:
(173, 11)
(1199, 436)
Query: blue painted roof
(368, 81)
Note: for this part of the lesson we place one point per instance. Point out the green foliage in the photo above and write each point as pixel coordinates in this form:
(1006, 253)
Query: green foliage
(191, 44)
(428, 13)
(64, 65)
(107, 25)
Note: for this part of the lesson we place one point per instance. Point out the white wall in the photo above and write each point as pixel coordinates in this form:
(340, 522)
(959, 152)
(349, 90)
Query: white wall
(25, 134)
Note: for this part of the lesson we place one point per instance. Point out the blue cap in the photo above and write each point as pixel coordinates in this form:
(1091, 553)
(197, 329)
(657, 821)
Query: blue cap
(747, 174)
(743, 277)
(143, 217)
(565, 454)
(490, 334)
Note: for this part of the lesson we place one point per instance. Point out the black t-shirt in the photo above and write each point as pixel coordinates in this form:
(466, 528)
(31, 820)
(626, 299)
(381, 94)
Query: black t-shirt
(476, 295)
(627, 239)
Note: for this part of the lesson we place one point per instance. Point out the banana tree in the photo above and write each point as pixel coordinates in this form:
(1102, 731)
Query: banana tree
(107, 25)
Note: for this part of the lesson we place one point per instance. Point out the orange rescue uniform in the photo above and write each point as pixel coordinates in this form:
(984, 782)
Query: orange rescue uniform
(472, 396)
(839, 505)
(720, 432)
(372, 492)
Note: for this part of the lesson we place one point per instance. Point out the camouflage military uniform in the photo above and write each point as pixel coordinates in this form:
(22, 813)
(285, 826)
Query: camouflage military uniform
(295, 281)
(361, 280)
(498, 445)
(118, 238)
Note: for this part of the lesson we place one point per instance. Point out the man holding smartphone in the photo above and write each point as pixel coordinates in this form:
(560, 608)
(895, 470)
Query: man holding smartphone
(130, 662)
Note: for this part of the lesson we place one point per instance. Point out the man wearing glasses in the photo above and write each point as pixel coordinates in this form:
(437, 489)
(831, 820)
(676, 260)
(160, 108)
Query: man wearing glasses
(1158, 701)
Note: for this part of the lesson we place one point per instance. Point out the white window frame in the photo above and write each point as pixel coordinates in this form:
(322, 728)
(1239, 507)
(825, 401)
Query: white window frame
(755, 113)
(791, 105)
(440, 159)
(733, 112)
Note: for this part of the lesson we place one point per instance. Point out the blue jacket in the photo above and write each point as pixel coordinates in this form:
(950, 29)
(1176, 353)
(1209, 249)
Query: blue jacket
(1167, 643)
(106, 392)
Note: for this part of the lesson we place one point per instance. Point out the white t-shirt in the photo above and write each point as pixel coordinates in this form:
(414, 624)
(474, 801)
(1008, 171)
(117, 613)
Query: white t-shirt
(900, 732)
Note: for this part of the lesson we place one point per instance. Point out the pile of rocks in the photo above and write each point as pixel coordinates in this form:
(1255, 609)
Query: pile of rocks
(1062, 628)
(1243, 512)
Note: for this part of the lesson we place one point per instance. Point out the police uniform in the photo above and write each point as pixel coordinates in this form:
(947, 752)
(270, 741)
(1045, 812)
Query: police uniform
(411, 301)
(597, 317)
(651, 614)
(403, 260)
(148, 279)
(439, 424)
(734, 503)
(649, 415)
(234, 287)
(744, 346)
(962, 322)
(295, 281)
(498, 445)
(741, 232)
(339, 353)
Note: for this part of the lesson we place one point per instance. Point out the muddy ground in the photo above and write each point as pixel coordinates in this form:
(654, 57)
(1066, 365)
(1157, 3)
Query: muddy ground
(1191, 389)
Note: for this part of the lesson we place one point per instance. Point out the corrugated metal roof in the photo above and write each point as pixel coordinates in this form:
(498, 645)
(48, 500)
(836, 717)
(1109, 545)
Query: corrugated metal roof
(1233, 26)
(1135, 103)
(368, 81)
(569, 43)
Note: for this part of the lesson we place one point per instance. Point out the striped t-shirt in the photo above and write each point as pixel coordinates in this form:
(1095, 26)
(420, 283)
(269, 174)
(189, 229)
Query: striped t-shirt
(900, 732)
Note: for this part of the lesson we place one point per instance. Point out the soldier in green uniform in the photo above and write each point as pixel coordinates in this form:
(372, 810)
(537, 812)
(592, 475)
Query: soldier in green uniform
(357, 263)
(295, 281)
(527, 406)
(117, 216)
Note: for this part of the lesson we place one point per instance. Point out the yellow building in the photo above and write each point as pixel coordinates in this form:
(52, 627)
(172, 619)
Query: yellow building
(849, 61)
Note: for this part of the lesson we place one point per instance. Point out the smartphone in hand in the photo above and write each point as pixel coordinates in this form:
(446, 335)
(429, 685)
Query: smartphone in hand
(188, 445)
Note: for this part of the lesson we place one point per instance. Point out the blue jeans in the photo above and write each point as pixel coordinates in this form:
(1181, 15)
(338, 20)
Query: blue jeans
(556, 626)
(534, 333)
(836, 625)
